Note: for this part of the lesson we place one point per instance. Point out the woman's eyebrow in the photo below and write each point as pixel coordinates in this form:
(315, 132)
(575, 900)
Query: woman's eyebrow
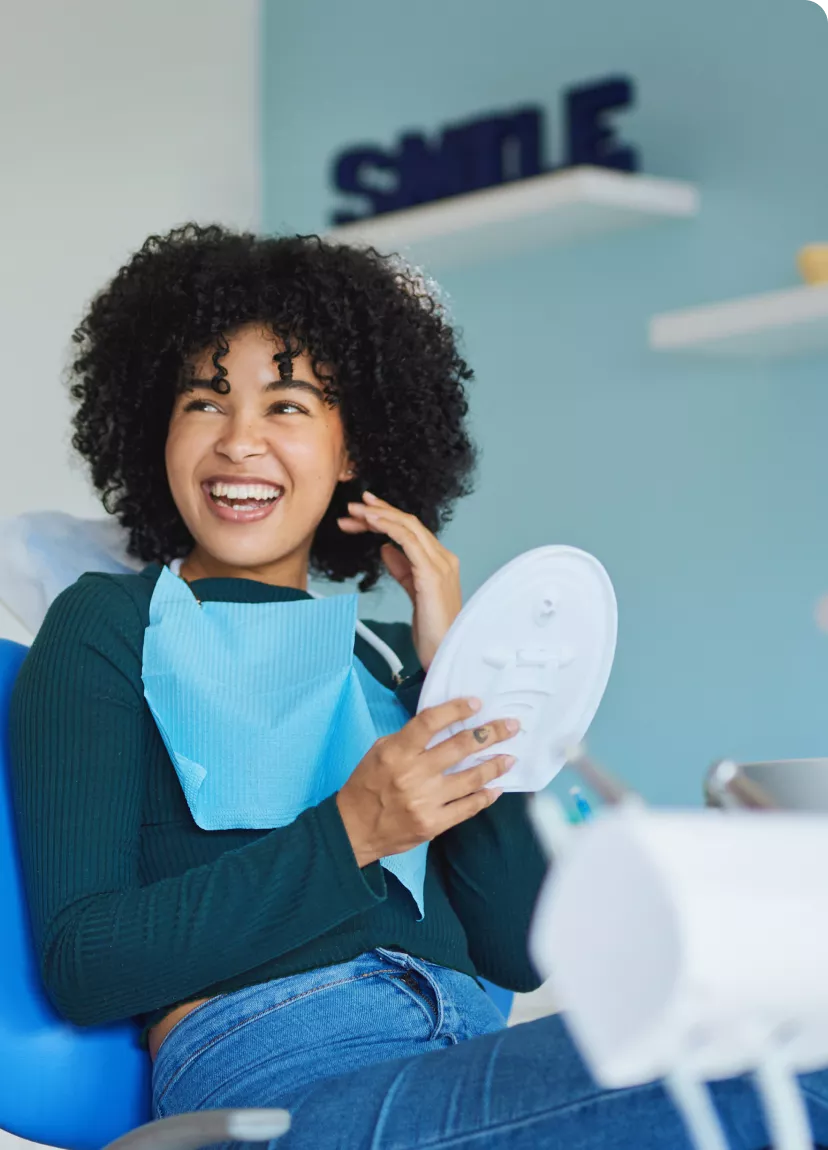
(295, 385)
(274, 385)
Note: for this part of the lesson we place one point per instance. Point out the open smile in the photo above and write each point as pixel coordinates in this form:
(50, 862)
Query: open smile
(236, 502)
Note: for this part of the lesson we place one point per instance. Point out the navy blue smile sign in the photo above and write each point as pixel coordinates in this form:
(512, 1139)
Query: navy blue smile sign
(482, 153)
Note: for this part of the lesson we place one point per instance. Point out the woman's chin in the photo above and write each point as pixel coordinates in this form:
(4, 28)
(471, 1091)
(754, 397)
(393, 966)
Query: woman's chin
(245, 549)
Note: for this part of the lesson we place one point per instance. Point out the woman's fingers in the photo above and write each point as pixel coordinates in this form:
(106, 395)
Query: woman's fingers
(412, 543)
(399, 566)
(473, 779)
(363, 520)
(464, 809)
(419, 731)
(428, 572)
(378, 515)
(379, 506)
(353, 526)
(457, 748)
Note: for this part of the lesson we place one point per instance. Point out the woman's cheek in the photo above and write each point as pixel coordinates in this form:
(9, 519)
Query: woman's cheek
(184, 451)
(312, 464)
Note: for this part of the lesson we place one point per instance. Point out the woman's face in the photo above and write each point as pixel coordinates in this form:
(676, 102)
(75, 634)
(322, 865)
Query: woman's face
(252, 472)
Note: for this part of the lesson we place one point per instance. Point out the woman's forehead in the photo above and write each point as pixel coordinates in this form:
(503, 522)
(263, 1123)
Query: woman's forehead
(251, 342)
(248, 350)
(253, 358)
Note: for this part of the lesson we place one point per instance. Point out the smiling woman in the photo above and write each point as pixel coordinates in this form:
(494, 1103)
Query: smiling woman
(235, 828)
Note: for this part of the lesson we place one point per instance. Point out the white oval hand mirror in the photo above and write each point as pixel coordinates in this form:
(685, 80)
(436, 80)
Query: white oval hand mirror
(535, 643)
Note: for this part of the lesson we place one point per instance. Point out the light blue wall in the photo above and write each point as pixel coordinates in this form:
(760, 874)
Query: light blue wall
(702, 487)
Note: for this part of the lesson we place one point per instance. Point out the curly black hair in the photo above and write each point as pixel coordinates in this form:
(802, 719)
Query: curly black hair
(397, 376)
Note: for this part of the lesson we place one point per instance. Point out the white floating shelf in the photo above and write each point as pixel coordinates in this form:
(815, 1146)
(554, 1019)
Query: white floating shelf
(775, 325)
(555, 208)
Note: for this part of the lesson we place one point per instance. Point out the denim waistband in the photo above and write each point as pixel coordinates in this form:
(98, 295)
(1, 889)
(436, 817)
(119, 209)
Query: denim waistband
(355, 1006)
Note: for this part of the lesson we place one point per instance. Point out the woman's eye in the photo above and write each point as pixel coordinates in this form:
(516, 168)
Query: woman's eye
(200, 405)
(286, 407)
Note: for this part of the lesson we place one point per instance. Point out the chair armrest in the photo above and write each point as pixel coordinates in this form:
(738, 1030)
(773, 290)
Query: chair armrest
(193, 1131)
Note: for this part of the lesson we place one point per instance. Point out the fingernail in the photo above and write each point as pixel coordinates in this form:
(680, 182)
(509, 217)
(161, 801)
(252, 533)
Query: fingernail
(508, 761)
(369, 496)
(512, 725)
(475, 704)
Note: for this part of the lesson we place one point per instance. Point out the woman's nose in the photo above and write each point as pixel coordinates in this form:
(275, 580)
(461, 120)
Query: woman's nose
(241, 440)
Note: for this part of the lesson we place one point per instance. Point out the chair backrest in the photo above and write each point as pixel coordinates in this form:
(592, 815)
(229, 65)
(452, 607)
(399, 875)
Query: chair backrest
(73, 1087)
(503, 999)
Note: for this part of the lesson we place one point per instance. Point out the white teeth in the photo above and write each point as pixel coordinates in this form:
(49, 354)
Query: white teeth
(245, 491)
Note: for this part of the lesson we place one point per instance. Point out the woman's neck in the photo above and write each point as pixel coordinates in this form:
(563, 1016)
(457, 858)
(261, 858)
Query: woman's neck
(292, 571)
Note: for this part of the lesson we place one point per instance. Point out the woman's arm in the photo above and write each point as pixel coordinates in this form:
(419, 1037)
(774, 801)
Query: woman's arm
(109, 946)
(493, 867)
(493, 864)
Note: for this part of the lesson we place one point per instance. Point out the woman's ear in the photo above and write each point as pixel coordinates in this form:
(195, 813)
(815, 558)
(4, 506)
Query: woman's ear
(347, 473)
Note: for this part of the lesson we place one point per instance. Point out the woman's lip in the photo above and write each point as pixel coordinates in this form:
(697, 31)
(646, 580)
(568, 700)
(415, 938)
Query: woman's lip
(247, 515)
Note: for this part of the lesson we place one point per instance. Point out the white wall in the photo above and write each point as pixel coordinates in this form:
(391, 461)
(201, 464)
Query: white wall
(117, 119)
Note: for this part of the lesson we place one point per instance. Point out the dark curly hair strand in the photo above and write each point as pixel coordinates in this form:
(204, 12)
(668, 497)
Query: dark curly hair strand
(392, 360)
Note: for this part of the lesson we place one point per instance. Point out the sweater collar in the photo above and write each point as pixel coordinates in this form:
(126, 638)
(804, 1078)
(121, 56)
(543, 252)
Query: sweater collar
(227, 590)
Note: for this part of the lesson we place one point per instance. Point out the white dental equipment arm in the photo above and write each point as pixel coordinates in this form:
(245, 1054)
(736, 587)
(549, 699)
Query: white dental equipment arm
(689, 946)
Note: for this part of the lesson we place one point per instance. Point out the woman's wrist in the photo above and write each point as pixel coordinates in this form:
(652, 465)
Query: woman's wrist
(362, 852)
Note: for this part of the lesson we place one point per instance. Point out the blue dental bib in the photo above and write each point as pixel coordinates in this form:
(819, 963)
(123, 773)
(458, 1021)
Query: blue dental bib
(264, 708)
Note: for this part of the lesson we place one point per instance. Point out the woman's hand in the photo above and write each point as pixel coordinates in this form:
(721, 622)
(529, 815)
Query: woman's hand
(424, 568)
(400, 796)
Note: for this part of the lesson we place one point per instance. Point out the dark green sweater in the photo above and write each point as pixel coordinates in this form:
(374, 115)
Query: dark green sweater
(136, 909)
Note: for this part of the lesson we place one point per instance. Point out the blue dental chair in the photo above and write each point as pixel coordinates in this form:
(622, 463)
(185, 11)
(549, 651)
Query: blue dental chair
(78, 1088)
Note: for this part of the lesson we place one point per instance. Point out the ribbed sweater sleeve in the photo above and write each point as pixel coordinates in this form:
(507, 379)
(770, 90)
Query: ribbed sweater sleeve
(493, 870)
(109, 946)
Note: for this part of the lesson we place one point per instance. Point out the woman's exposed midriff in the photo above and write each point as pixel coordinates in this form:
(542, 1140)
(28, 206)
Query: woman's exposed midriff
(161, 1029)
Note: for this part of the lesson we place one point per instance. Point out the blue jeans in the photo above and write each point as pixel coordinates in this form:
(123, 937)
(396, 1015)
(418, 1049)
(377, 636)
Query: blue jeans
(392, 1053)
